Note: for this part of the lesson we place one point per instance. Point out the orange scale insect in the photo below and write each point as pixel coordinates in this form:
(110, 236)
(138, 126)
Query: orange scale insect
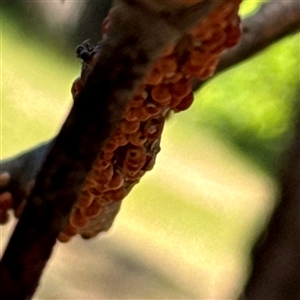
(199, 56)
(141, 92)
(233, 34)
(130, 116)
(208, 72)
(203, 74)
(93, 210)
(117, 133)
(175, 101)
(87, 235)
(137, 101)
(128, 127)
(196, 71)
(85, 199)
(111, 146)
(155, 77)
(185, 103)
(192, 71)
(131, 168)
(148, 165)
(135, 153)
(87, 183)
(175, 78)
(221, 15)
(121, 140)
(63, 238)
(96, 190)
(217, 34)
(70, 230)
(102, 176)
(134, 163)
(77, 219)
(161, 94)
(116, 195)
(137, 138)
(181, 88)
(101, 164)
(152, 109)
(214, 43)
(167, 65)
(141, 114)
(217, 49)
(202, 33)
(97, 175)
(169, 50)
(107, 155)
(116, 182)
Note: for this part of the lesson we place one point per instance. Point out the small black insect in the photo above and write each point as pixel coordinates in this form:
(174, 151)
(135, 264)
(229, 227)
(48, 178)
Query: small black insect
(86, 50)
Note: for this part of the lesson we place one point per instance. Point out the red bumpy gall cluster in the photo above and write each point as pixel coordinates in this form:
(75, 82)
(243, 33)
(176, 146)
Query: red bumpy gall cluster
(132, 149)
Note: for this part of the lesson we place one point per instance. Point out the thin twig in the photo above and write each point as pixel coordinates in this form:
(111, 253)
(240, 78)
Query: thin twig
(22, 170)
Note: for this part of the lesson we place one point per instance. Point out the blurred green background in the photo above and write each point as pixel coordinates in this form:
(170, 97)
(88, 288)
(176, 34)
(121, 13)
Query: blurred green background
(186, 230)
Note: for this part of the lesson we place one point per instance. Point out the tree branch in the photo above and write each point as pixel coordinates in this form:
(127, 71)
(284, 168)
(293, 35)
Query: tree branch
(22, 171)
(276, 257)
(124, 60)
